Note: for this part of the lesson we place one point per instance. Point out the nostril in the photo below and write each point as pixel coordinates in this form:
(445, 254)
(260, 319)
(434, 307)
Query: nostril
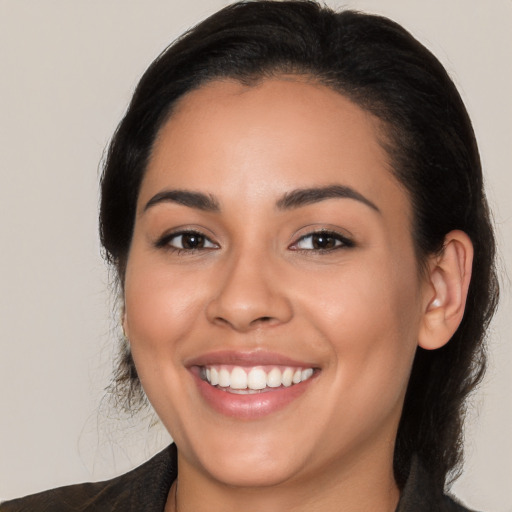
(262, 319)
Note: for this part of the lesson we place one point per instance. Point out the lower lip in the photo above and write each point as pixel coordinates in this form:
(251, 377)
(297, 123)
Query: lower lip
(251, 406)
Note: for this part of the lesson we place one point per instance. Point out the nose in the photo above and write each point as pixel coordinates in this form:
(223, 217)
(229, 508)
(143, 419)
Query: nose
(249, 295)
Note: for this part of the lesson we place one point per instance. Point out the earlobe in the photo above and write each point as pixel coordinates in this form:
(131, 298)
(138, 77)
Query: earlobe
(449, 276)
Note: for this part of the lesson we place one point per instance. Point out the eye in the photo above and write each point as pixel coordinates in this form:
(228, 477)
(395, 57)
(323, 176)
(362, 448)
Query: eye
(322, 241)
(187, 241)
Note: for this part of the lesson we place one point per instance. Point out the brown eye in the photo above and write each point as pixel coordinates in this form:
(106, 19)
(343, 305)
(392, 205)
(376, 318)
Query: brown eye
(187, 241)
(192, 241)
(322, 241)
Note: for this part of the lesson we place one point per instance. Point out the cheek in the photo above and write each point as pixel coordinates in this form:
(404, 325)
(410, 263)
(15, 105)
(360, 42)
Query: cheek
(370, 317)
(162, 307)
(363, 297)
(162, 310)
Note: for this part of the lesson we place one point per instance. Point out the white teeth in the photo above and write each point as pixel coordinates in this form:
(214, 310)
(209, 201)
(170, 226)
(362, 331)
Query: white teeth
(306, 374)
(257, 379)
(214, 376)
(224, 378)
(244, 381)
(287, 377)
(238, 378)
(274, 378)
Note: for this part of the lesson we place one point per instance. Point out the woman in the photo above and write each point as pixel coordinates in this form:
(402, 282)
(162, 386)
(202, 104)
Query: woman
(294, 207)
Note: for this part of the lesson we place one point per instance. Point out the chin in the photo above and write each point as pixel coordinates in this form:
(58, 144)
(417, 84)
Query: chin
(238, 458)
(239, 471)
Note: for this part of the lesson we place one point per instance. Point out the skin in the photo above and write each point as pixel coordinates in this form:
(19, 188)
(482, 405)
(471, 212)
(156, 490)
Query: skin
(356, 312)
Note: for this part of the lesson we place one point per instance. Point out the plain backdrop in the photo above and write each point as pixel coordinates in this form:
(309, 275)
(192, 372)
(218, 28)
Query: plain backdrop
(68, 69)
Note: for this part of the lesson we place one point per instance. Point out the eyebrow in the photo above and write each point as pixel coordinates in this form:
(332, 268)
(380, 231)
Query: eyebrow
(198, 200)
(302, 197)
(291, 200)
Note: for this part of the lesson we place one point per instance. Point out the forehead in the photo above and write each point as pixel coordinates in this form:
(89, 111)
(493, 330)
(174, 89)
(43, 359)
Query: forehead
(257, 141)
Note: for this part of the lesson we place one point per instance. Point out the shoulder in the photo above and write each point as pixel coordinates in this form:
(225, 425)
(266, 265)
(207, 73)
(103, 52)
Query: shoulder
(420, 495)
(144, 488)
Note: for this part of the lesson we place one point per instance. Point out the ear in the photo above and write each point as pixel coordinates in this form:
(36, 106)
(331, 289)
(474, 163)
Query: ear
(449, 274)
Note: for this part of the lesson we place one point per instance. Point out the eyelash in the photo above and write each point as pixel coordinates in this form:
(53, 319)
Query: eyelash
(340, 242)
(165, 242)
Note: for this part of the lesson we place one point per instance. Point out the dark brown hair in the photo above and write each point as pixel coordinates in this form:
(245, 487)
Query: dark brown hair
(429, 137)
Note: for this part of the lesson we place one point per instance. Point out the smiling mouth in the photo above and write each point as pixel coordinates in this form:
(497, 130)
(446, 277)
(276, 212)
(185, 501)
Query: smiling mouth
(253, 380)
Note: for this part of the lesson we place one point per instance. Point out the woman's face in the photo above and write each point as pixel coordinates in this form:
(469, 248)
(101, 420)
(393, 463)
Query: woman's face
(272, 249)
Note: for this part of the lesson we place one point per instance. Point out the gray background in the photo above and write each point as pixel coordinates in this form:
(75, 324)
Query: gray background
(67, 71)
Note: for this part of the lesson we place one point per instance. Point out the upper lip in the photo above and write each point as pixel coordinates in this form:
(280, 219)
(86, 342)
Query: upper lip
(247, 358)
